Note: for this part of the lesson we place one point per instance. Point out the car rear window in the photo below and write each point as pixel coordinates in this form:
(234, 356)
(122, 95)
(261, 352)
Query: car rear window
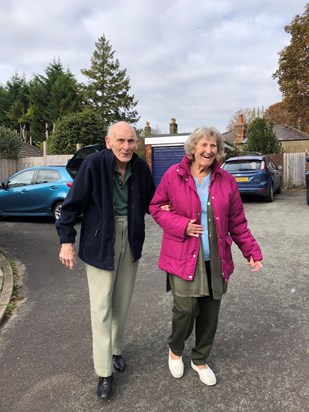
(85, 151)
(238, 166)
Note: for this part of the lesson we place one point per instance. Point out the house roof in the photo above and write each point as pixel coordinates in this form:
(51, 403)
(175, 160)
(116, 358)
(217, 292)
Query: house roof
(27, 150)
(229, 137)
(283, 133)
(287, 133)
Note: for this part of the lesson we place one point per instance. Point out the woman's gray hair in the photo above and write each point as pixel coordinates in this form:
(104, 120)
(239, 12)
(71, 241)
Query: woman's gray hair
(199, 133)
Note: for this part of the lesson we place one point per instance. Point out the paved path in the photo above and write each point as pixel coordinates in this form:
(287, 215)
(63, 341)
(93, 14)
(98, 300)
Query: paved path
(260, 354)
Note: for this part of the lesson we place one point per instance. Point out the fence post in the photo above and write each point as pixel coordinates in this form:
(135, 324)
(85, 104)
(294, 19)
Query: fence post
(45, 152)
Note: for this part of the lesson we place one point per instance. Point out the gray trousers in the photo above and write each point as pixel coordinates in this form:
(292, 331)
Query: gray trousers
(204, 312)
(110, 297)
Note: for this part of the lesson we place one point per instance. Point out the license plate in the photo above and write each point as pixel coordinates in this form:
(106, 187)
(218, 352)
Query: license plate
(242, 179)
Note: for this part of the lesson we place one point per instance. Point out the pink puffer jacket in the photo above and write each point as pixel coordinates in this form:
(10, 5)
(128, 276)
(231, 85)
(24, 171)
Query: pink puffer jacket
(179, 252)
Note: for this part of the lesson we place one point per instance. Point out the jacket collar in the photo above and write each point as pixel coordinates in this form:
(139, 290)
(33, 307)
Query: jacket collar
(184, 167)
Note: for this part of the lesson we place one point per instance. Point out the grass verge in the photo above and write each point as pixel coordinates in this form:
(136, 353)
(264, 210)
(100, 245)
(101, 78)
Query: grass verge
(16, 296)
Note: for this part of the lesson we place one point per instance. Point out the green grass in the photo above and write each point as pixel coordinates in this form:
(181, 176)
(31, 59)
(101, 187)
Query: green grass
(16, 296)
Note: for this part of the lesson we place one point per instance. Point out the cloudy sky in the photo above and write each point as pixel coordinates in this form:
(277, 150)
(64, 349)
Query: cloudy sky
(199, 61)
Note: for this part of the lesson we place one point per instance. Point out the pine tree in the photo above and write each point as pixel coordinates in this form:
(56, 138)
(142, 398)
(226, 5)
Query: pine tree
(52, 96)
(107, 91)
(14, 102)
(261, 138)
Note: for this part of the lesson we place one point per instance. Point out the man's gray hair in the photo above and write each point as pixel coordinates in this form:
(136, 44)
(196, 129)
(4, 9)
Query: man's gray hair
(110, 130)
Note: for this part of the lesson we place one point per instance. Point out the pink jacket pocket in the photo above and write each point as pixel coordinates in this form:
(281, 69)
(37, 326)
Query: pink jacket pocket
(172, 247)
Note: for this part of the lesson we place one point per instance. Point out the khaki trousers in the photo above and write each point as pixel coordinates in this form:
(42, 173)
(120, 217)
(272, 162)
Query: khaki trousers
(110, 297)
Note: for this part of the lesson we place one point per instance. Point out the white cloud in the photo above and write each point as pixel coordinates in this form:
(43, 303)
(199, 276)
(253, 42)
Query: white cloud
(199, 61)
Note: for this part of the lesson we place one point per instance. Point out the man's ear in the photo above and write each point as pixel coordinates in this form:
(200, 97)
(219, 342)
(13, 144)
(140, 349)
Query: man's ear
(107, 141)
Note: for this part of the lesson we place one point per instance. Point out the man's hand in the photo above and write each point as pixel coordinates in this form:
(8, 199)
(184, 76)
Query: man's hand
(67, 255)
(167, 207)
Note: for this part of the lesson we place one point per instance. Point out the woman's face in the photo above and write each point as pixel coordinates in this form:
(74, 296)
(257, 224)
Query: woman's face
(205, 152)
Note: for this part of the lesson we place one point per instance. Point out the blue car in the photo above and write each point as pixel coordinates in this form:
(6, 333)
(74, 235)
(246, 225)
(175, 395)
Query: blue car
(36, 191)
(255, 174)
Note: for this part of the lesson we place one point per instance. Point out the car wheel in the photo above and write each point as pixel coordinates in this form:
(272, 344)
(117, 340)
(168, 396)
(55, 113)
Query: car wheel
(307, 196)
(57, 210)
(270, 196)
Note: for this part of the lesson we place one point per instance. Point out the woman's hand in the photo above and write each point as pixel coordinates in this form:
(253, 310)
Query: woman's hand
(194, 229)
(256, 264)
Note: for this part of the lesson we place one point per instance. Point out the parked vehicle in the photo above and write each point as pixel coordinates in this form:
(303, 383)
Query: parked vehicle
(35, 191)
(75, 162)
(255, 174)
(307, 183)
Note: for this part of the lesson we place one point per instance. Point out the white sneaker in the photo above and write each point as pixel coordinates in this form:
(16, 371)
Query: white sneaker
(175, 366)
(206, 375)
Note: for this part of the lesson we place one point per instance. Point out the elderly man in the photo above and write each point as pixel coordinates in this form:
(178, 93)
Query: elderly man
(112, 192)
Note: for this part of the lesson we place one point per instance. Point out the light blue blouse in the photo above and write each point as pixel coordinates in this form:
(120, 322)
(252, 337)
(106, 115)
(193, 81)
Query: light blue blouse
(203, 192)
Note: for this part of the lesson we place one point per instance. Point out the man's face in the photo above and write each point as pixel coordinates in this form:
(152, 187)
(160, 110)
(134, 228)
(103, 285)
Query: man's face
(122, 141)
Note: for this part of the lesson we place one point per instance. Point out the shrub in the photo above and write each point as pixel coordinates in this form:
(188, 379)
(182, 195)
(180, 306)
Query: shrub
(9, 143)
(84, 128)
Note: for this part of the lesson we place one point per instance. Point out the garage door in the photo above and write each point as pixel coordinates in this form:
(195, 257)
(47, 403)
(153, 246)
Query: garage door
(164, 157)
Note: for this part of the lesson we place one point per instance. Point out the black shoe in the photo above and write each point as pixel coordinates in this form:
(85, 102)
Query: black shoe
(119, 363)
(105, 387)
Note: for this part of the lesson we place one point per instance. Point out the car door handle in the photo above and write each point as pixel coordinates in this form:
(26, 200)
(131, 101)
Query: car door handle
(24, 191)
(53, 187)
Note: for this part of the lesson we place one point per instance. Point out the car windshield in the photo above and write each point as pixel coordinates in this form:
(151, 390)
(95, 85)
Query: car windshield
(21, 179)
(243, 165)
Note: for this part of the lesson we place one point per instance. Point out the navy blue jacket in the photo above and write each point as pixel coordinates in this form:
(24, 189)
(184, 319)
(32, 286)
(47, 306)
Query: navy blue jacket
(92, 197)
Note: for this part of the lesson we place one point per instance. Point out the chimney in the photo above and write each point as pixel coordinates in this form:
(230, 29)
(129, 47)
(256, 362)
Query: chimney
(240, 130)
(173, 126)
(147, 129)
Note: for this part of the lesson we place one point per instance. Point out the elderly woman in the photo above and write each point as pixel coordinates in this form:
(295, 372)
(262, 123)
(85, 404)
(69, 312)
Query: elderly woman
(198, 206)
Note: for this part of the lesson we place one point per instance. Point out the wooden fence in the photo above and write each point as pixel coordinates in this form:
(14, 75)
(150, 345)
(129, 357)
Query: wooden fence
(49, 160)
(8, 167)
(294, 166)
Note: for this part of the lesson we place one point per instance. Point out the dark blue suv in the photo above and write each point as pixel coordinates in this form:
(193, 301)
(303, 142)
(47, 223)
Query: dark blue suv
(255, 174)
